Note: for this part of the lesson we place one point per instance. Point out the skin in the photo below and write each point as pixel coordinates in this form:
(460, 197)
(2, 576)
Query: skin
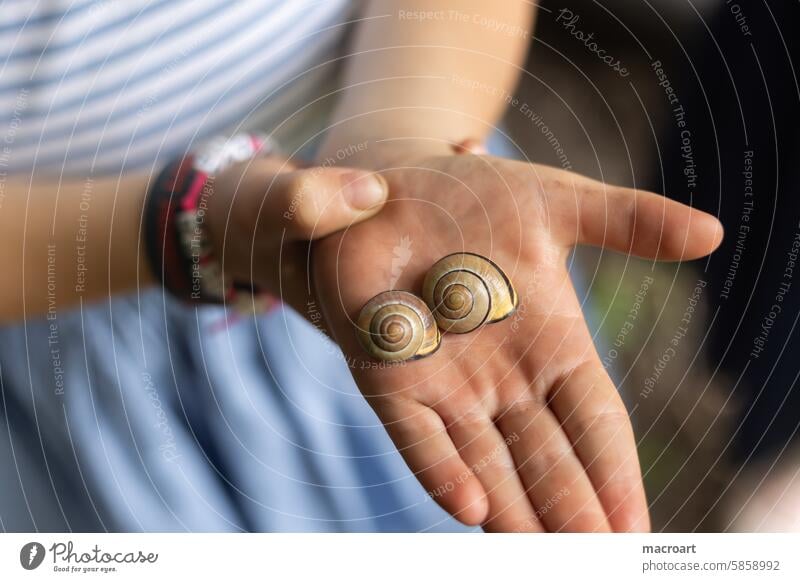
(497, 423)
(516, 427)
(501, 420)
(40, 219)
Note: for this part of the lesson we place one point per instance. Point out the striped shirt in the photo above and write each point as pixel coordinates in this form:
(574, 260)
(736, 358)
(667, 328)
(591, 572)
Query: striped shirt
(106, 85)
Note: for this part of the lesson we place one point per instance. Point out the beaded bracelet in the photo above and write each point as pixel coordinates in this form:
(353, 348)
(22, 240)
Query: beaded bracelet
(177, 239)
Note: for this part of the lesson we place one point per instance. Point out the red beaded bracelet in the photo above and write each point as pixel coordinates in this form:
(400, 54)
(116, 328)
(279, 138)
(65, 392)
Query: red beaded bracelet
(177, 240)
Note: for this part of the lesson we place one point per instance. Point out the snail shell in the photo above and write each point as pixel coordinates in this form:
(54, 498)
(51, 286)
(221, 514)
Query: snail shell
(396, 326)
(465, 291)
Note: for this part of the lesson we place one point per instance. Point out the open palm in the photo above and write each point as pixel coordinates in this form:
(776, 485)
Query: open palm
(515, 426)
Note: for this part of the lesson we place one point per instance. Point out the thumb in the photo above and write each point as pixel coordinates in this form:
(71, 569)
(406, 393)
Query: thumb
(632, 221)
(314, 202)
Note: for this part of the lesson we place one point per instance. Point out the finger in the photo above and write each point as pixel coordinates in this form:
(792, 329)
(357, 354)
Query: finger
(271, 164)
(315, 202)
(471, 146)
(633, 221)
(596, 421)
(486, 452)
(555, 479)
(423, 441)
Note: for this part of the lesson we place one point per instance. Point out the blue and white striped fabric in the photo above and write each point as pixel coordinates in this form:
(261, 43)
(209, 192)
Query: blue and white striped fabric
(140, 414)
(102, 84)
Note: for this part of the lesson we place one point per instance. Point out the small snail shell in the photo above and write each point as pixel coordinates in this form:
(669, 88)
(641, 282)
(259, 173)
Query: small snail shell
(396, 326)
(465, 291)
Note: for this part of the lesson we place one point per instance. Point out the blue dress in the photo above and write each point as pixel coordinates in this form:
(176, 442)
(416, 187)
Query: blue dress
(139, 413)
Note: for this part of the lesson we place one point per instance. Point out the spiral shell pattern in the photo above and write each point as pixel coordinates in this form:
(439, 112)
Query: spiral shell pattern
(396, 326)
(465, 291)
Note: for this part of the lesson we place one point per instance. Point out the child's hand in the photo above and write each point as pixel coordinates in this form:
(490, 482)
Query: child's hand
(516, 426)
(264, 212)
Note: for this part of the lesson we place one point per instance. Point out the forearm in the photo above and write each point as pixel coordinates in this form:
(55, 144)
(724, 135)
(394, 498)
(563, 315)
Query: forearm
(431, 71)
(70, 241)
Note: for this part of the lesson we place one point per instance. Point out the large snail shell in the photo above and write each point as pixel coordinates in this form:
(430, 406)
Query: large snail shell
(396, 326)
(465, 291)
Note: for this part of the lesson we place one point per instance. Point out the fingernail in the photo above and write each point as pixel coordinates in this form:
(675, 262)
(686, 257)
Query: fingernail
(471, 146)
(364, 190)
